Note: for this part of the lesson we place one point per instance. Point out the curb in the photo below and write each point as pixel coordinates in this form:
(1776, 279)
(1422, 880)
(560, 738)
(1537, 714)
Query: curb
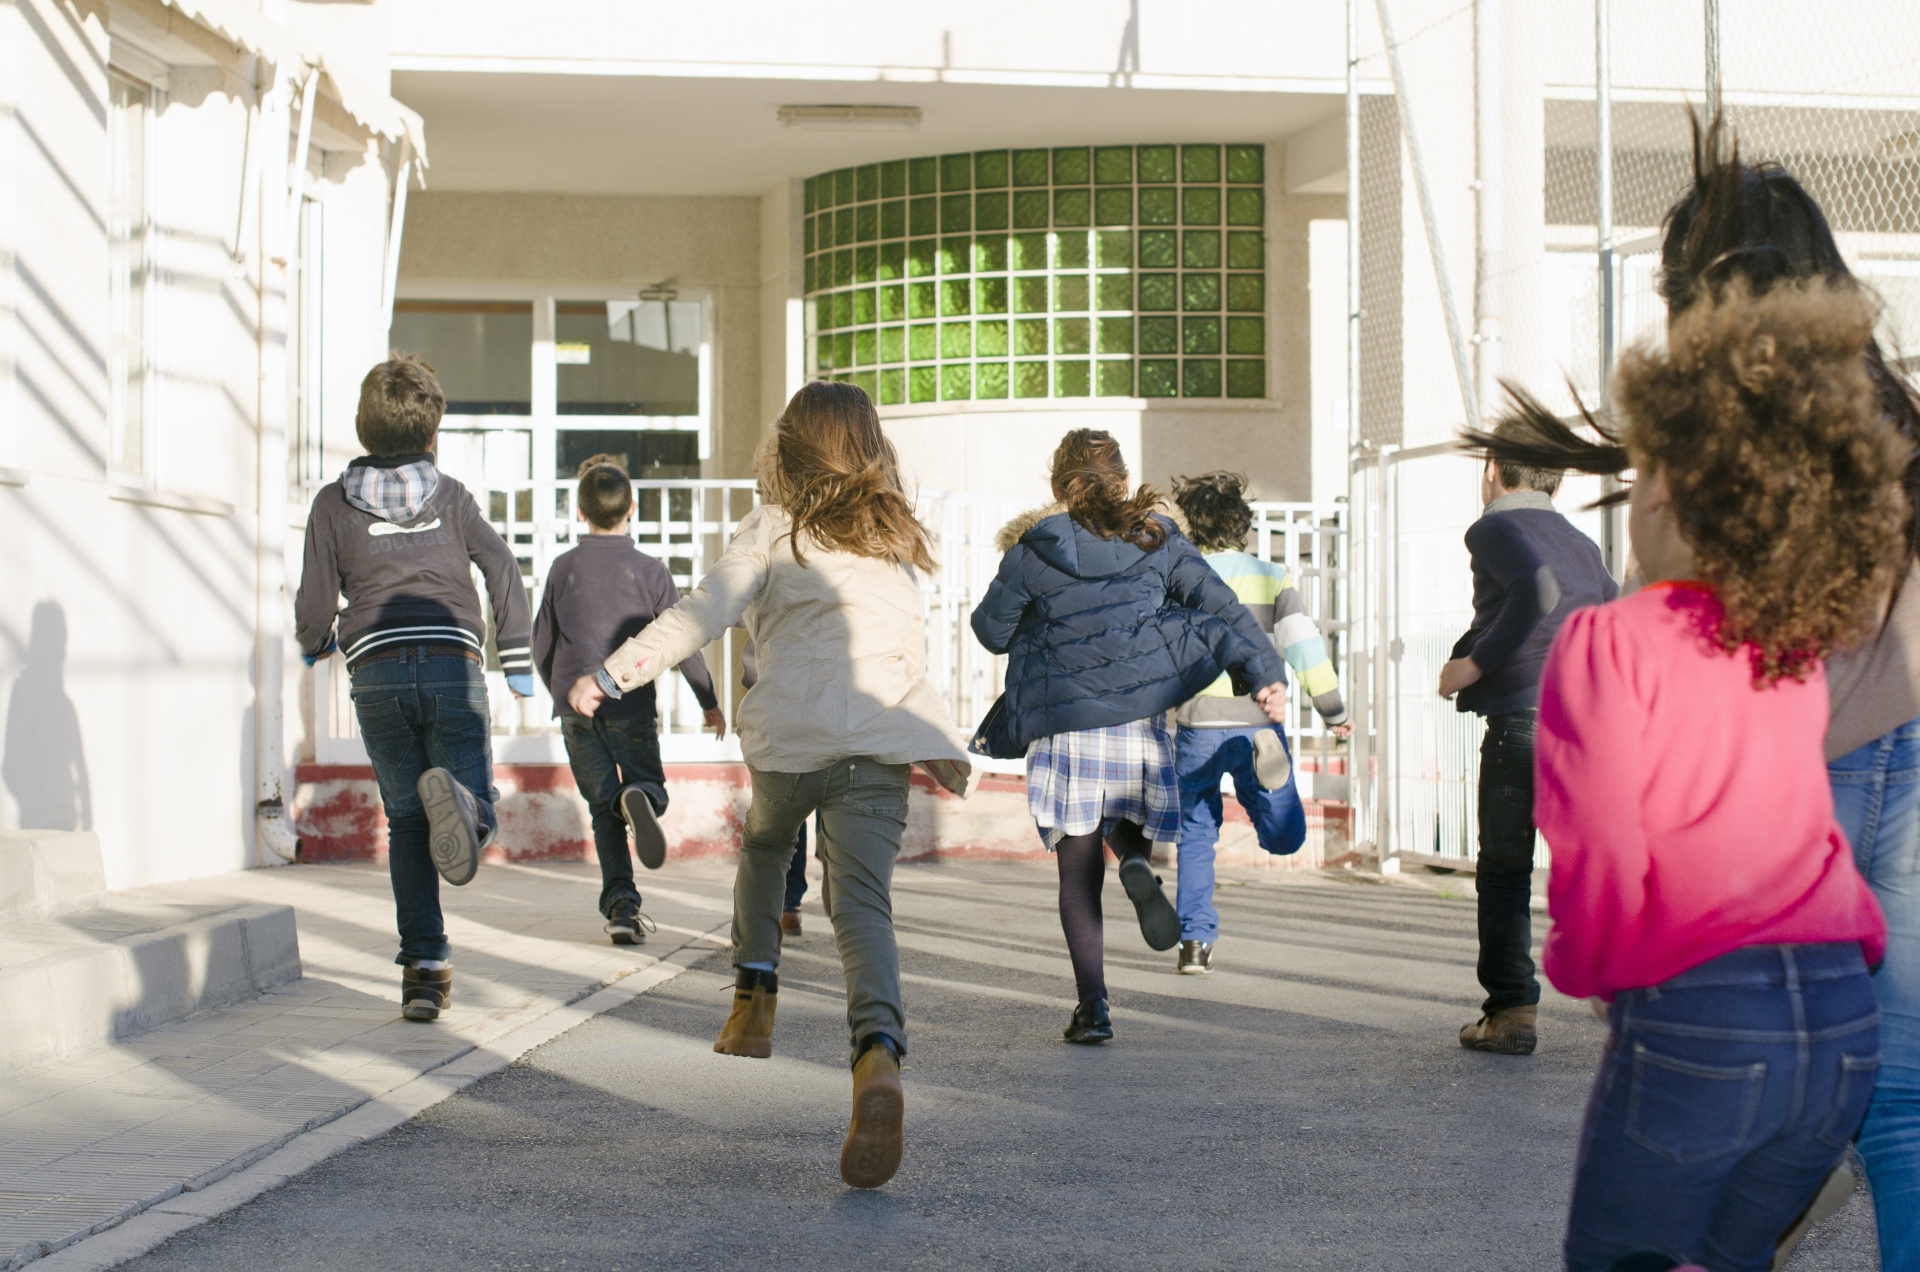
(142, 1227)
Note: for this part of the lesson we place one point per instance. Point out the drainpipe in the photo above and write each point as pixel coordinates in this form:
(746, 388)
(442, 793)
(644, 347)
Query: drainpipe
(273, 830)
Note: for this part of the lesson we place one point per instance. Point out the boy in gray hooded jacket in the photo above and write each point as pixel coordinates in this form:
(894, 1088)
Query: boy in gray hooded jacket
(397, 537)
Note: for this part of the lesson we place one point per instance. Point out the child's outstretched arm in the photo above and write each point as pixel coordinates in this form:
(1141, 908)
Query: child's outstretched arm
(1587, 799)
(512, 623)
(700, 617)
(1305, 650)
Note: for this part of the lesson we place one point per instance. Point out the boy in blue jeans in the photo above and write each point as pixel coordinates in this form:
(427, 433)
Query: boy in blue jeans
(399, 539)
(599, 594)
(1222, 735)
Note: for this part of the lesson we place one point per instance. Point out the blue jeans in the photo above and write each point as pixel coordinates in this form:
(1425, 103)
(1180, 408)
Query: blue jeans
(606, 756)
(1876, 797)
(422, 708)
(1200, 758)
(1724, 1098)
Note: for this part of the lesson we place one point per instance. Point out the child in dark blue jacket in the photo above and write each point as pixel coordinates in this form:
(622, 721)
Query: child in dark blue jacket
(1110, 619)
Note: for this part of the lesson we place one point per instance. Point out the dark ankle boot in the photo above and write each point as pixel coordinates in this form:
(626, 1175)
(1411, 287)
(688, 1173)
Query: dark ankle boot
(1090, 1023)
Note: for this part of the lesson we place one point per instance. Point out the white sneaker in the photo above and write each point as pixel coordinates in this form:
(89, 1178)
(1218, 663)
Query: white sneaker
(1271, 764)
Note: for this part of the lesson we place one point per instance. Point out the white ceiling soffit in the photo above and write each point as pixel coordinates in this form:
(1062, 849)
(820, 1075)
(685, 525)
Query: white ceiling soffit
(375, 111)
(247, 30)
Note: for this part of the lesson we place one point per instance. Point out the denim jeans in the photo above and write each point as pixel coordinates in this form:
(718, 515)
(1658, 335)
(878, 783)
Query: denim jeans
(1504, 878)
(1876, 797)
(606, 756)
(862, 805)
(1200, 758)
(1723, 1100)
(421, 708)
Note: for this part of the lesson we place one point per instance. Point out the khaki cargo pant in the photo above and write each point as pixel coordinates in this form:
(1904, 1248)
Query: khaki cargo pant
(863, 810)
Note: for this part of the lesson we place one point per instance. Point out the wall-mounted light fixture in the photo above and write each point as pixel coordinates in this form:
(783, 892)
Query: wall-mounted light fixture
(851, 118)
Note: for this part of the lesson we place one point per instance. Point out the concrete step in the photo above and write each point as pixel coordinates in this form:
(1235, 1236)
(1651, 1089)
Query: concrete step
(49, 872)
(75, 981)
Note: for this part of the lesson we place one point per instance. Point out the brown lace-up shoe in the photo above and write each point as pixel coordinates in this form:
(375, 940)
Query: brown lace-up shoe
(1509, 1032)
(872, 1151)
(425, 992)
(790, 922)
(749, 1028)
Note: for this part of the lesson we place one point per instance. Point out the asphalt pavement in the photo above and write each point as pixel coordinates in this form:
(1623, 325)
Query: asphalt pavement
(1306, 1106)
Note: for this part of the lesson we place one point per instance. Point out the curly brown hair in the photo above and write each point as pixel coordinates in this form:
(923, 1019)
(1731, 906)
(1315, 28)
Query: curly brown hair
(1216, 509)
(1090, 475)
(829, 465)
(1784, 468)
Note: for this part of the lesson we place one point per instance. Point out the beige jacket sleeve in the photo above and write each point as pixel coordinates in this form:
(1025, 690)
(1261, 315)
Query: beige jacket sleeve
(703, 614)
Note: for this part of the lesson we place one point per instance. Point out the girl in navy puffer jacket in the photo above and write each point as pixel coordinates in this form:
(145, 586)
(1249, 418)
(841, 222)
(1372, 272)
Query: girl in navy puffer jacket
(1110, 619)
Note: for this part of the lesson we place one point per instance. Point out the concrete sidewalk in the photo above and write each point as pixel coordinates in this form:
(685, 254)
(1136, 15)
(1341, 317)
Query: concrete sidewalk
(1305, 1107)
(89, 1141)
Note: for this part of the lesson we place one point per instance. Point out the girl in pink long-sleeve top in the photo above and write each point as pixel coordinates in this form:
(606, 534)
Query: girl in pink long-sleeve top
(1700, 887)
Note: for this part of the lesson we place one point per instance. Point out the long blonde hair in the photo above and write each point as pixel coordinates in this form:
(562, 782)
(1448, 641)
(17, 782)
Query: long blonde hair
(833, 471)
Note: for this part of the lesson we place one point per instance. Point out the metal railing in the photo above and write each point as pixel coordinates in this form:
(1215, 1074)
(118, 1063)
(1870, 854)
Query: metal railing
(687, 524)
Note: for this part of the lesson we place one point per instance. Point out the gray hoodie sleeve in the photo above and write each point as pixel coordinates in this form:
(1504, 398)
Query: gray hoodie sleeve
(317, 602)
(512, 621)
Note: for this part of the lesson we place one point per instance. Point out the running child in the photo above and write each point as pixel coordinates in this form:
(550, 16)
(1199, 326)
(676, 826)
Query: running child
(1700, 885)
(599, 593)
(1221, 734)
(399, 539)
(825, 577)
(1109, 619)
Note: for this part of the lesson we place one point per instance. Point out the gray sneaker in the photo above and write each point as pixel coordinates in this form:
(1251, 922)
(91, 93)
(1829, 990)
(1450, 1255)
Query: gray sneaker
(649, 841)
(453, 826)
(1270, 762)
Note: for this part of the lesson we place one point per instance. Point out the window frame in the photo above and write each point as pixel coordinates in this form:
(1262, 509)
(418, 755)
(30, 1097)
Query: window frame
(135, 69)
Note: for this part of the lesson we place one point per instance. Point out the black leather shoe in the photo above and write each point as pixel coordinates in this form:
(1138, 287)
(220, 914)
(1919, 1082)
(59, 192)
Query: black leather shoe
(1090, 1023)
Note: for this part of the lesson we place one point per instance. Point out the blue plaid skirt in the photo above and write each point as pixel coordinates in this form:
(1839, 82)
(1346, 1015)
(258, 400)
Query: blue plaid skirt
(1076, 782)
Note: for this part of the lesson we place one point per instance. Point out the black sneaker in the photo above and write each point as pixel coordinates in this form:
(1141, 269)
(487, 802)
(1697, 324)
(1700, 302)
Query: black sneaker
(453, 826)
(1090, 1023)
(649, 841)
(627, 925)
(1159, 922)
(1196, 958)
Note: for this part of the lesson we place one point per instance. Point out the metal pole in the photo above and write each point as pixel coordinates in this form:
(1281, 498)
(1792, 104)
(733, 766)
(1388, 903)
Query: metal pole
(1468, 398)
(1603, 222)
(1489, 122)
(1359, 523)
(1383, 572)
(1713, 57)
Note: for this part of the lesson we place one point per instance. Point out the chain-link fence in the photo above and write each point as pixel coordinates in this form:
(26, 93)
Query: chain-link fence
(1517, 159)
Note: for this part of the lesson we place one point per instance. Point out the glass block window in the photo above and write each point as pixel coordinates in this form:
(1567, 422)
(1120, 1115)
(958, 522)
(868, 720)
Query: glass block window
(1082, 271)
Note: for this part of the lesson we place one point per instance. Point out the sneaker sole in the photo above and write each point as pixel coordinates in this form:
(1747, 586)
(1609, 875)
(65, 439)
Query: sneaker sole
(1271, 764)
(453, 840)
(624, 935)
(875, 1141)
(418, 1010)
(1159, 922)
(649, 841)
(1196, 971)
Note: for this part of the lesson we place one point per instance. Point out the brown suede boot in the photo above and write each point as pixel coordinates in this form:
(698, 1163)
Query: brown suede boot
(1509, 1032)
(872, 1151)
(425, 992)
(749, 1028)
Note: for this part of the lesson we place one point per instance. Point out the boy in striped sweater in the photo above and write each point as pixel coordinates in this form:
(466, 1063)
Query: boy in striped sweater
(1223, 735)
(399, 539)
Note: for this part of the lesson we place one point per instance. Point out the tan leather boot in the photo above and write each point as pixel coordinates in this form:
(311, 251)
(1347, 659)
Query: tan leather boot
(749, 1027)
(1509, 1032)
(872, 1151)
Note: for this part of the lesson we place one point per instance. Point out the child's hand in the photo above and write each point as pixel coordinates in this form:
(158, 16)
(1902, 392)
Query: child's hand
(521, 684)
(1457, 675)
(1273, 701)
(586, 695)
(716, 720)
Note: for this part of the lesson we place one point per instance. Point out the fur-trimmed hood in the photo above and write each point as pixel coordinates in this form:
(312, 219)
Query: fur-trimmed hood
(1016, 529)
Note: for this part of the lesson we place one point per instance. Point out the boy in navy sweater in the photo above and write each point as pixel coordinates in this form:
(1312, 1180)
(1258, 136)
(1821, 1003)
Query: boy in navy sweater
(1531, 569)
(399, 539)
(598, 595)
